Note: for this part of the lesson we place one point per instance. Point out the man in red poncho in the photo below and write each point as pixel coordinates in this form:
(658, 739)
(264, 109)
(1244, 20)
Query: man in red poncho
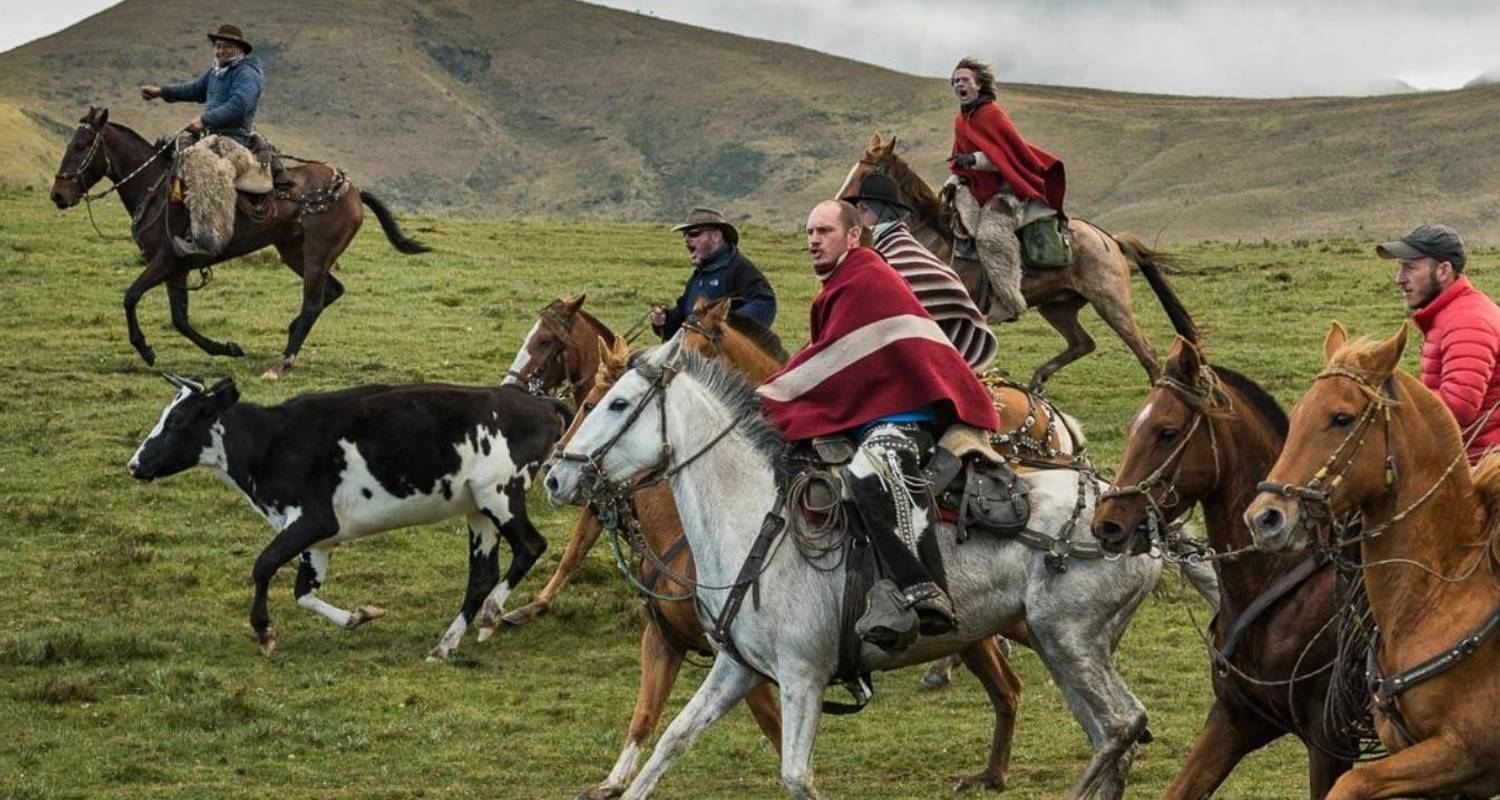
(1000, 184)
(878, 368)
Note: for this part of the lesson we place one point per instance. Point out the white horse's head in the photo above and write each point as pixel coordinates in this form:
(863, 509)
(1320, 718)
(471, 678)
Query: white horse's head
(622, 436)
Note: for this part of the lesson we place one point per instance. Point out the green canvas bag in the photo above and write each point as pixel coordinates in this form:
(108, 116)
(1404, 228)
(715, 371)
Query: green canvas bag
(1047, 243)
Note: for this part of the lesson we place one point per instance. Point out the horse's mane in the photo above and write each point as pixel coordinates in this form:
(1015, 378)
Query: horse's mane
(609, 336)
(1262, 400)
(1486, 477)
(917, 193)
(760, 335)
(131, 133)
(731, 388)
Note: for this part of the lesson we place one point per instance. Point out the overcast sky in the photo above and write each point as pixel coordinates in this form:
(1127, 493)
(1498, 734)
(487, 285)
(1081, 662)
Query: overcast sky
(1227, 47)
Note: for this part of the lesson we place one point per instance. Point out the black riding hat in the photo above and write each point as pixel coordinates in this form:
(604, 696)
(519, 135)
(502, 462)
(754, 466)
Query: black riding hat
(879, 188)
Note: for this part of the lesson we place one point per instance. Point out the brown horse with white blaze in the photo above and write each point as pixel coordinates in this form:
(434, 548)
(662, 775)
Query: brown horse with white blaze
(1206, 434)
(308, 236)
(1370, 438)
(1099, 275)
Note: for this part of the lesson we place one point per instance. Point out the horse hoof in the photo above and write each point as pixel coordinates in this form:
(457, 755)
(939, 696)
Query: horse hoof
(149, 356)
(524, 614)
(602, 793)
(485, 632)
(437, 656)
(364, 614)
(982, 780)
(233, 350)
(933, 680)
(267, 642)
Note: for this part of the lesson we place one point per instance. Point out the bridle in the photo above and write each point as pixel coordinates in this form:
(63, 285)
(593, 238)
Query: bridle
(1315, 498)
(1204, 397)
(600, 489)
(95, 145)
(532, 375)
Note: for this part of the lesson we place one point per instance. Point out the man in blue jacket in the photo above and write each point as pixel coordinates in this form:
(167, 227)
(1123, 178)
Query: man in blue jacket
(230, 94)
(719, 270)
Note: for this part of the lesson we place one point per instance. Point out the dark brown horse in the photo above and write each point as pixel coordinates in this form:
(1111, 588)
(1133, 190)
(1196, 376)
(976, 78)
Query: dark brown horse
(1099, 275)
(1206, 435)
(310, 230)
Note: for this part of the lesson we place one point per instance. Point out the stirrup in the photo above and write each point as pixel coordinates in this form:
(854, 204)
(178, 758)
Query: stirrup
(889, 621)
(934, 609)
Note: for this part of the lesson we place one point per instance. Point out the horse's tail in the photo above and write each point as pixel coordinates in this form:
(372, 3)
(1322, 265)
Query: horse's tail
(1153, 265)
(388, 224)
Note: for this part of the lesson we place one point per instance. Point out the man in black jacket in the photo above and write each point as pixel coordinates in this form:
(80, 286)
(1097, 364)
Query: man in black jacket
(719, 270)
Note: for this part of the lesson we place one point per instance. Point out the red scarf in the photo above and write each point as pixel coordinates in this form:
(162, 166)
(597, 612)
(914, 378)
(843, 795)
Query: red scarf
(874, 352)
(1031, 172)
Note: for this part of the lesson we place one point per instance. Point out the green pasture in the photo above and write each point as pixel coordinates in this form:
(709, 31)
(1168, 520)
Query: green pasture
(126, 667)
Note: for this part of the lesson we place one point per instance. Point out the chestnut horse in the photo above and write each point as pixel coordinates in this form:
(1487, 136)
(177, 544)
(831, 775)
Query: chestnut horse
(1368, 437)
(1207, 434)
(309, 236)
(673, 629)
(1099, 275)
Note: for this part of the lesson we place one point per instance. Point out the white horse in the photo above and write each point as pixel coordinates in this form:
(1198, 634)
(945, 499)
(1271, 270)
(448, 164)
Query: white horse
(722, 479)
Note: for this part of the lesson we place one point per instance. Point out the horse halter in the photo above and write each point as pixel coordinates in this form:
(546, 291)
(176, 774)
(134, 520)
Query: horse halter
(1202, 397)
(715, 337)
(531, 375)
(1315, 498)
(76, 176)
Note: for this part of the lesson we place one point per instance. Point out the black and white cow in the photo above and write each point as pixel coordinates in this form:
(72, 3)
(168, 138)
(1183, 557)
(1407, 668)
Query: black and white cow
(332, 467)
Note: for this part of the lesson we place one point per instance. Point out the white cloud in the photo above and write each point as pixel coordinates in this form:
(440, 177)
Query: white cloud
(1270, 48)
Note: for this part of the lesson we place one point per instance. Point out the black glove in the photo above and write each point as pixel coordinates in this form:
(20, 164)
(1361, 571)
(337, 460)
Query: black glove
(964, 160)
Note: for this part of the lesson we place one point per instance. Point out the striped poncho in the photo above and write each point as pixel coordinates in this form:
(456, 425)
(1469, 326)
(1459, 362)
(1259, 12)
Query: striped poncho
(940, 291)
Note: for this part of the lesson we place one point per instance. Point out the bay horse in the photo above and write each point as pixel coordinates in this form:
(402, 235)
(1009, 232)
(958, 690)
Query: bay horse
(1099, 275)
(308, 236)
(673, 629)
(1206, 434)
(1369, 437)
(708, 413)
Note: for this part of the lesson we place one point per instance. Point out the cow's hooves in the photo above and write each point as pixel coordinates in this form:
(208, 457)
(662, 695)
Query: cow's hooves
(364, 614)
(267, 642)
(485, 632)
(602, 792)
(233, 350)
(437, 656)
(982, 780)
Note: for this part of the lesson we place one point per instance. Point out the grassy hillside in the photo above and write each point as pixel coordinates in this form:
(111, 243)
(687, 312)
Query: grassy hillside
(126, 669)
(559, 108)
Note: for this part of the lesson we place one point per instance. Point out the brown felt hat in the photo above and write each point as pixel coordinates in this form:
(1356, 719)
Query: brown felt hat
(230, 33)
(708, 218)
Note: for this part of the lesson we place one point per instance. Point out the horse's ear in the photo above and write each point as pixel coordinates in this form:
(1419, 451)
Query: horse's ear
(1184, 360)
(717, 312)
(102, 119)
(576, 302)
(890, 147)
(1387, 354)
(1334, 342)
(699, 303)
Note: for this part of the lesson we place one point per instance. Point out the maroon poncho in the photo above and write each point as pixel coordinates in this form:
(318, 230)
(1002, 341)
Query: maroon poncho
(1031, 172)
(874, 352)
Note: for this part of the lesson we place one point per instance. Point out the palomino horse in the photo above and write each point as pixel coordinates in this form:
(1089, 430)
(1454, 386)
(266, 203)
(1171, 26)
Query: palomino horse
(310, 233)
(1368, 437)
(673, 629)
(676, 401)
(1099, 275)
(1207, 434)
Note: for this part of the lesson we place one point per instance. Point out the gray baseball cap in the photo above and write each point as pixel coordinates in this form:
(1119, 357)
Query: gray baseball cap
(1427, 241)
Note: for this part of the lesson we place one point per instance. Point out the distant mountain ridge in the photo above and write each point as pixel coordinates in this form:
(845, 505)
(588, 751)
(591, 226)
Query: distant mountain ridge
(563, 109)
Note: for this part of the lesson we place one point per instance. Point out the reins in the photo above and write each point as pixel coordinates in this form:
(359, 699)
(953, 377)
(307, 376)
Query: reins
(96, 147)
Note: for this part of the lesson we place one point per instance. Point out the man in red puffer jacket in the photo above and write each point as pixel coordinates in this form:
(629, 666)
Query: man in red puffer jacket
(1460, 330)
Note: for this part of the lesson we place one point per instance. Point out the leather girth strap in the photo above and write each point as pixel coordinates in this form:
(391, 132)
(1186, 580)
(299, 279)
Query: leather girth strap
(748, 582)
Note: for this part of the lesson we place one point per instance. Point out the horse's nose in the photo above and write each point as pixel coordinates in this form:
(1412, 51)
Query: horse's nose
(551, 484)
(1109, 531)
(1268, 521)
(57, 199)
